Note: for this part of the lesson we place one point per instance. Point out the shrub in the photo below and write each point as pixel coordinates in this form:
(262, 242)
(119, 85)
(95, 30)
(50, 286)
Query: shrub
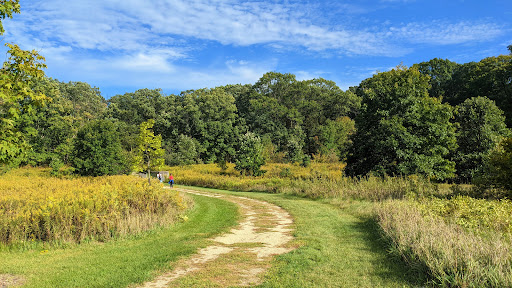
(495, 181)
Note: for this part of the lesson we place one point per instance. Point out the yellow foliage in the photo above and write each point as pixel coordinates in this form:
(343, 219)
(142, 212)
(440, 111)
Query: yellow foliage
(52, 209)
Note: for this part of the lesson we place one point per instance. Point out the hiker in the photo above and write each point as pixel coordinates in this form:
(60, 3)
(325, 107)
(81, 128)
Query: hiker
(171, 180)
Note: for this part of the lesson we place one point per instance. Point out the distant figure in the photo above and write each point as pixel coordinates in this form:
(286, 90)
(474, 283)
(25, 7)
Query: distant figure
(171, 180)
(159, 177)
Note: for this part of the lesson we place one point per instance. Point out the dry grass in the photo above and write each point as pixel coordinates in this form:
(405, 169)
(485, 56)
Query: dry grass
(39, 208)
(320, 180)
(455, 257)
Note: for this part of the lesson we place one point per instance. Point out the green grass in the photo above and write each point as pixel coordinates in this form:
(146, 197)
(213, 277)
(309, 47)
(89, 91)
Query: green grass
(120, 263)
(340, 246)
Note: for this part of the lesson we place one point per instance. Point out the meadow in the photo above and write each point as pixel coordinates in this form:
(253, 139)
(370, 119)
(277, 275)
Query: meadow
(367, 232)
(457, 240)
(35, 207)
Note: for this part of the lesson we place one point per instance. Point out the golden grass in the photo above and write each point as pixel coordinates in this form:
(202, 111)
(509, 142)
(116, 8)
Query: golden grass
(454, 256)
(40, 208)
(319, 180)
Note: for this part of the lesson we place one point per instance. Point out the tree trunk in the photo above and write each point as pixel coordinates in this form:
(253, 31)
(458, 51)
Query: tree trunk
(149, 174)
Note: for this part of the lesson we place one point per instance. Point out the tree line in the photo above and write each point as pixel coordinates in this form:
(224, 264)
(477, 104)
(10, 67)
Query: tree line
(437, 118)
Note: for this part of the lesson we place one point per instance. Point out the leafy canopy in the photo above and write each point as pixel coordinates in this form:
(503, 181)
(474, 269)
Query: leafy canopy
(97, 150)
(400, 129)
(149, 154)
(17, 99)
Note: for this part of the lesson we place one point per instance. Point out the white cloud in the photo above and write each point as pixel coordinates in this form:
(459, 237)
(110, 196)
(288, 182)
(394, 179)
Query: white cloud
(152, 43)
(133, 25)
(442, 33)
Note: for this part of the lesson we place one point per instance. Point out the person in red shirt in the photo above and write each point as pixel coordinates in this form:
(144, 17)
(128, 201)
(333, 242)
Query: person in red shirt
(171, 180)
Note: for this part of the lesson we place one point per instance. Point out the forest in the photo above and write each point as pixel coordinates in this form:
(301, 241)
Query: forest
(439, 119)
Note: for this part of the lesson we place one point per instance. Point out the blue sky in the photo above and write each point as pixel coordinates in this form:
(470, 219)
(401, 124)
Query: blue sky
(124, 45)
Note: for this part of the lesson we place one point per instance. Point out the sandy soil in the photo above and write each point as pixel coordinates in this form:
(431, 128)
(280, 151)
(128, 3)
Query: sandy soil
(240, 257)
(7, 280)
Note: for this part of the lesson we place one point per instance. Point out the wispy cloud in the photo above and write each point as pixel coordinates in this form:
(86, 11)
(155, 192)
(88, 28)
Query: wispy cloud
(134, 25)
(156, 43)
(443, 33)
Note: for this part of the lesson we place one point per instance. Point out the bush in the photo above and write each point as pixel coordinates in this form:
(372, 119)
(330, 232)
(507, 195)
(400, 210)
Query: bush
(495, 181)
(249, 157)
(97, 150)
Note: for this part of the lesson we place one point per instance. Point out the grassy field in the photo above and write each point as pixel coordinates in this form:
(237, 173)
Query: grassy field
(339, 246)
(370, 232)
(446, 239)
(119, 263)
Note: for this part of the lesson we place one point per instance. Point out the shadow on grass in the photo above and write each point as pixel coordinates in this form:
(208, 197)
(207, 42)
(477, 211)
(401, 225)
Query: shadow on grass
(389, 264)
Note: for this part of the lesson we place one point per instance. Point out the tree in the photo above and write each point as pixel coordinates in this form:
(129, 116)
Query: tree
(97, 150)
(440, 72)
(335, 136)
(509, 47)
(186, 151)
(400, 130)
(481, 128)
(87, 102)
(249, 157)
(212, 120)
(273, 111)
(495, 180)
(7, 8)
(491, 78)
(55, 127)
(149, 155)
(17, 99)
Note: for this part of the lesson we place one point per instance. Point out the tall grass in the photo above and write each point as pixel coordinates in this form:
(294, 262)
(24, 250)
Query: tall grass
(39, 208)
(319, 180)
(454, 256)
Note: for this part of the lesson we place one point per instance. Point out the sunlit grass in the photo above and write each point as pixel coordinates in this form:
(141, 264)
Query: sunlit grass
(34, 207)
(122, 262)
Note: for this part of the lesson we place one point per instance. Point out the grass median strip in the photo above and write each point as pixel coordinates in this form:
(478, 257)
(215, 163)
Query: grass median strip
(120, 263)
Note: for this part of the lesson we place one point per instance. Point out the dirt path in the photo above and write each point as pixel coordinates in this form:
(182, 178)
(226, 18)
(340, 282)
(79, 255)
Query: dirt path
(237, 258)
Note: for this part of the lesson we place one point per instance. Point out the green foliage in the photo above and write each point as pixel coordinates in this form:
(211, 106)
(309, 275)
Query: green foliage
(97, 150)
(149, 154)
(495, 181)
(292, 113)
(400, 129)
(7, 8)
(488, 78)
(249, 157)
(481, 128)
(186, 151)
(18, 100)
(335, 137)
(440, 72)
(86, 101)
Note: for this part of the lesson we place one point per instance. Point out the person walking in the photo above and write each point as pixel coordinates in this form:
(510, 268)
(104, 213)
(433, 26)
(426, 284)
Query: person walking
(171, 180)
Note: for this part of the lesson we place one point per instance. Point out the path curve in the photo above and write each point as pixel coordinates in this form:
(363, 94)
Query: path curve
(244, 253)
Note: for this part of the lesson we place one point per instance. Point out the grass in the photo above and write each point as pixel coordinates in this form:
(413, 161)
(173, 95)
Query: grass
(74, 210)
(467, 255)
(340, 246)
(120, 263)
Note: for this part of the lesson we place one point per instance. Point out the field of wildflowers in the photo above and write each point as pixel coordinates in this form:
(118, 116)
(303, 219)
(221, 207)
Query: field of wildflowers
(35, 207)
